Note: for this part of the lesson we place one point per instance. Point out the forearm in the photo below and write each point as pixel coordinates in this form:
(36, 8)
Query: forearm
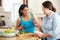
(39, 27)
(18, 23)
(45, 35)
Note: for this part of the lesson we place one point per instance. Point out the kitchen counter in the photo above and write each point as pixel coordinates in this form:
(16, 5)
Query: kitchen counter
(20, 37)
(27, 36)
(4, 38)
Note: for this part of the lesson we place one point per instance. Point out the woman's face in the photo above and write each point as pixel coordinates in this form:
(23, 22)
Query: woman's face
(45, 10)
(25, 11)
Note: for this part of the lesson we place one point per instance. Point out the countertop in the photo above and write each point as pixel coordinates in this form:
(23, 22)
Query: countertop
(26, 36)
(20, 37)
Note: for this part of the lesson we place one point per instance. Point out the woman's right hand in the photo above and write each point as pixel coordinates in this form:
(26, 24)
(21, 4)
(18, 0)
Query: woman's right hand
(19, 28)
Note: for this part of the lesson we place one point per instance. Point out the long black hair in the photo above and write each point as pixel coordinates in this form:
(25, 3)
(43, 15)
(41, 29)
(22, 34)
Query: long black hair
(49, 5)
(21, 8)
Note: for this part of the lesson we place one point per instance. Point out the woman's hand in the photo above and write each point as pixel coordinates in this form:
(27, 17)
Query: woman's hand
(42, 35)
(19, 28)
(38, 35)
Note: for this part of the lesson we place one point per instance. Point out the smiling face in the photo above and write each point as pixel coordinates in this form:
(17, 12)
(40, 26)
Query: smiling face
(45, 10)
(25, 11)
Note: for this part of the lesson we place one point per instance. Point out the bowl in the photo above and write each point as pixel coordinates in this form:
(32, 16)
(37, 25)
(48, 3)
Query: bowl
(9, 34)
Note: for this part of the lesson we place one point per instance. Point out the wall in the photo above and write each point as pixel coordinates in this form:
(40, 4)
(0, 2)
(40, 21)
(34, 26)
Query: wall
(36, 5)
(56, 4)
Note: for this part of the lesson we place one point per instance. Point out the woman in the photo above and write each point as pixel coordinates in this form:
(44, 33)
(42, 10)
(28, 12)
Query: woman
(26, 20)
(51, 22)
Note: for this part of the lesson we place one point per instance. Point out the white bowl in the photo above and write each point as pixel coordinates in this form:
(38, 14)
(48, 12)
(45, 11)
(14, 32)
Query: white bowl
(9, 34)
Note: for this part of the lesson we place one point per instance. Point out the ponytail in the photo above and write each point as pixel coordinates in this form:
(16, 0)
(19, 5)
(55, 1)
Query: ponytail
(53, 9)
(49, 5)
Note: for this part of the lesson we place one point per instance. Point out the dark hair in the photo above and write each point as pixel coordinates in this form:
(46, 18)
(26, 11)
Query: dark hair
(21, 8)
(49, 5)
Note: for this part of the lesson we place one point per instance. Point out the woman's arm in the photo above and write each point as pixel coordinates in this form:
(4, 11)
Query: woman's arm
(18, 27)
(36, 23)
(46, 35)
(17, 23)
(42, 35)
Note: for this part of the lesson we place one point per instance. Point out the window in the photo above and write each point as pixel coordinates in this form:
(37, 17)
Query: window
(25, 2)
(15, 12)
(16, 6)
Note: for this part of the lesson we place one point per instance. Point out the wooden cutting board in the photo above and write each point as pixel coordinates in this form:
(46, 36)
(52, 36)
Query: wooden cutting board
(21, 37)
(27, 36)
